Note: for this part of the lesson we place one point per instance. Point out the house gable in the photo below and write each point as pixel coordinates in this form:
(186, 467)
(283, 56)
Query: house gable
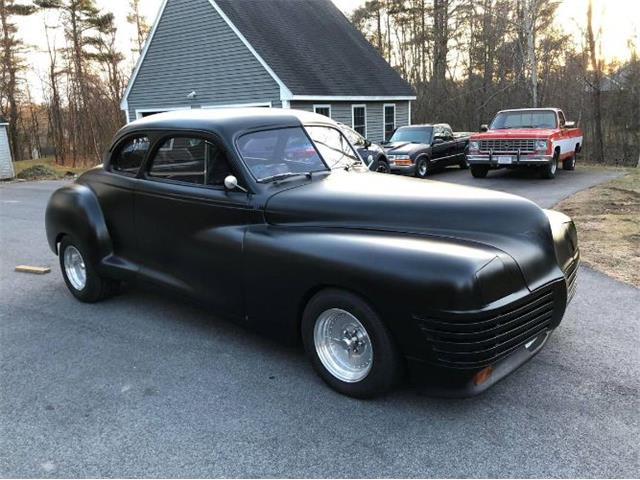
(193, 48)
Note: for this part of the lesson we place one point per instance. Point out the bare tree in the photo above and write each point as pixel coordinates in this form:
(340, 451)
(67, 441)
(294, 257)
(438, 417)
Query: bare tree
(10, 68)
(139, 22)
(596, 87)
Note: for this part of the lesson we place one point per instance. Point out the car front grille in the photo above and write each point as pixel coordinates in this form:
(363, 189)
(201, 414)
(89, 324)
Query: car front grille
(475, 341)
(571, 276)
(511, 145)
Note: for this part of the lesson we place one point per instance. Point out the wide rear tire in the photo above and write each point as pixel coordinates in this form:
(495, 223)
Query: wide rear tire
(569, 163)
(349, 346)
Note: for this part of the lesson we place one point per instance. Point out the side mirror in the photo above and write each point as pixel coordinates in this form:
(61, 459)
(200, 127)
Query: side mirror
(569, 124)
(367, 143)
(484, 128)
(231, 184)
(437, 140)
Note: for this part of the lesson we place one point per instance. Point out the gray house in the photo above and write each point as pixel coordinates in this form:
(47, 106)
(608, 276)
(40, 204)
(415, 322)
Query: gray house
(6, 164)
(268, 53)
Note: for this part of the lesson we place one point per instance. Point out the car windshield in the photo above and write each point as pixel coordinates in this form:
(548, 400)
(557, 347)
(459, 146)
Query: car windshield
(334, 147)
(280, 153)
(354, 137)
(413, 135)
(524, 119)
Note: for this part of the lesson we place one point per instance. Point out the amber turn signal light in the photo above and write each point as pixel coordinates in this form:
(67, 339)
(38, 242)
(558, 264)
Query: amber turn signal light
(482, 376)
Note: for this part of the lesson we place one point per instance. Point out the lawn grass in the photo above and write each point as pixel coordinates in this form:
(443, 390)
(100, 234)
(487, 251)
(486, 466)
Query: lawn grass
(607, 217)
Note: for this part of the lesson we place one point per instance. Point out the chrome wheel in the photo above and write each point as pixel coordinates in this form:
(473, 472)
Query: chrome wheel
(343, 345)
(422, 168)
(75, 268)
(554, 166)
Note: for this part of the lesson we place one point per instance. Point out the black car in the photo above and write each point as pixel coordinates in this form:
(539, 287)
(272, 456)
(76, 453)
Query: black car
(420, 149)
(371, 153)
(270, 217)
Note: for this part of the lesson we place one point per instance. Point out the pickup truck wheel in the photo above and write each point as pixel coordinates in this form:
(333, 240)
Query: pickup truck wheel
(479, 171)
(81, 277)
(549, 171)
(569, 163)
(349, 346)
(422, 167)
(383, 167)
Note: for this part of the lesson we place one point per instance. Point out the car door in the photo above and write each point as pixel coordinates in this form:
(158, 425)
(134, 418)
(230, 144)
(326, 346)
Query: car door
(439, 146)
(115, 188)
(190, 230)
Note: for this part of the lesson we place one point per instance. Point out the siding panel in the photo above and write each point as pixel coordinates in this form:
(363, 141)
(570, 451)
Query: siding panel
(341, 112)
(194, 49)
(6, 165)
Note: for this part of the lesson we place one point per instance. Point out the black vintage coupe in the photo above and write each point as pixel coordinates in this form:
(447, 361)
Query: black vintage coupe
(270, 217)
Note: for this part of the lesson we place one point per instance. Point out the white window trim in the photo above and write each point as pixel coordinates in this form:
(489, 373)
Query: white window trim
(353, 117)
(384, 118)
(322, 105)
(238, 105)
(140, 111)
(338, 98)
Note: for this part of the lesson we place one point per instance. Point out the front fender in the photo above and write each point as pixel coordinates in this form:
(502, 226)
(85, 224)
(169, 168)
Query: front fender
(75, 210)
(398, 274)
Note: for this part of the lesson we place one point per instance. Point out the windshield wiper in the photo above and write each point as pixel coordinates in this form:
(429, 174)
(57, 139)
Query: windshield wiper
(282, 176)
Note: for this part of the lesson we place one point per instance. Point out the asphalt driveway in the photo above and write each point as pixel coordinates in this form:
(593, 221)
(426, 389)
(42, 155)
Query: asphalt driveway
(145, 385)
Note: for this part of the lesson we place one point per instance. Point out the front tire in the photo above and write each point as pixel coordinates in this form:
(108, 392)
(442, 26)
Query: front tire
(80, 275)
(422, 167)
(349, 346)
(479, 171)
(549, 171)
(383, 167)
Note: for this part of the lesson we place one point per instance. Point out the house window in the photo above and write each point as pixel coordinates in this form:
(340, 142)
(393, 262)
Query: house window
(389, 121)
(359, 119)
(322, 110)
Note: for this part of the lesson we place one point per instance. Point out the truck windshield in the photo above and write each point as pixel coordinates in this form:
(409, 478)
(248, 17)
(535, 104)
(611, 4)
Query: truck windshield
(413, 135)
(524, 119)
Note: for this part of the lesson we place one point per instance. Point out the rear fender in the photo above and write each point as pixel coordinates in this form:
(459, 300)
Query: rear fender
(75, 210)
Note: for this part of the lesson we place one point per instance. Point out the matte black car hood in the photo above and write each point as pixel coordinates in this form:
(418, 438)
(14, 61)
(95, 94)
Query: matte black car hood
(509, 223)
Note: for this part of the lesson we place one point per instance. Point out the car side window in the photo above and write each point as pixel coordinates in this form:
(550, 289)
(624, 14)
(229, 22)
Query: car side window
(448, 133)
(129, 156)
(190, 160)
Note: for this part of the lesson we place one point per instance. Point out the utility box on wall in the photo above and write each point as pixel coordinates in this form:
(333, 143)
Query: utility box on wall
(6, 163)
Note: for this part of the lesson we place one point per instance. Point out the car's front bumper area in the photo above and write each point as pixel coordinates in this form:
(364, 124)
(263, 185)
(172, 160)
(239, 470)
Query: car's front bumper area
(514, 159)
(402, 169)
(471, 351)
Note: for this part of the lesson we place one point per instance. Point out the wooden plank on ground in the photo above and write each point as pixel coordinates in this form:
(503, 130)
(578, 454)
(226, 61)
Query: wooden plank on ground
(34, 270)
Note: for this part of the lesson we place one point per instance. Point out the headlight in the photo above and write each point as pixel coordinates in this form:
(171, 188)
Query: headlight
(541, 145)
(400, 159)
(474, 146)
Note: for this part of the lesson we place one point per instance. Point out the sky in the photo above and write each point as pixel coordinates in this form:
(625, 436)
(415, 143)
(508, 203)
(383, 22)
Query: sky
(618, 19)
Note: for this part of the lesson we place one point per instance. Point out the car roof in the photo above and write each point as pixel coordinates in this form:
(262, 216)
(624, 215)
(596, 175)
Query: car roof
(228, 121)
(541, 109)
(422, 125)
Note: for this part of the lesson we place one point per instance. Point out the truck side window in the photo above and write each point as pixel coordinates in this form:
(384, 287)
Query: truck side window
(562, 119)
(129, 156)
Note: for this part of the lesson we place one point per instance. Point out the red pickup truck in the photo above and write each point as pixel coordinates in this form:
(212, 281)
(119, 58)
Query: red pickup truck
(528, 137)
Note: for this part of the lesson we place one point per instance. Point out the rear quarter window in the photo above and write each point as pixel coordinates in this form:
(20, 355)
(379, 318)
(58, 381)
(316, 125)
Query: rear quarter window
(129, 155)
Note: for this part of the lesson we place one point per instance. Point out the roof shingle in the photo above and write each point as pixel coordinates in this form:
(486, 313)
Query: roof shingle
(314, 49)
